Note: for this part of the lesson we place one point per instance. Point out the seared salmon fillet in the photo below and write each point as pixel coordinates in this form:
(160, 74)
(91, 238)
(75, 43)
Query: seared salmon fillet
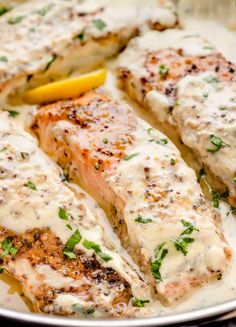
(52, 240)
(188, 84)
(138, 176)
(44, 41)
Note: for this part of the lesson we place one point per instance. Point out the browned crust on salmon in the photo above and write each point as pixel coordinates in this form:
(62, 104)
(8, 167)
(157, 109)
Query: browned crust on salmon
(42, 247)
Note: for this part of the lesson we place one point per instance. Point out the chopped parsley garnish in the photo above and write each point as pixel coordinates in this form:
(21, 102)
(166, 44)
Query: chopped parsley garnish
(149, 130)
(73, 240)
(217, 142)
(222, 108)
(43, 11)
(15, 20)
(31, 185)
(1, 270)
(190, 227)
(161, 141)
(69, 254)
(142, 220)
(204, 96)
(215, 199)
(105, 141)
(24, 155)
(62, 213)
(12, 113)
(3, 58)
(69, 226)
(130, 156)
(80, 36)
(139, 303)
(54, 57)
(182, 244)
(89, 245)
(77, 307)
(200, 174)
(3, 149)
(155, 266)
(163, 70)
(3, 10)
(8, 248)
(234, 180)
(211, 79)
(172, 162)
(99, 23)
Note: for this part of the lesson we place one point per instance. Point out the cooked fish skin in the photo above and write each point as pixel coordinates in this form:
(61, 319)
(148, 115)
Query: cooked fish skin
(197, 95)
(140, 179)
(41, 42)
(39, 214)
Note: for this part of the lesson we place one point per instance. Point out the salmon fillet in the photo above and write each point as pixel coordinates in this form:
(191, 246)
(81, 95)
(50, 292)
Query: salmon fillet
(138, 176)
(45, 41)
(188, 84)
(53, 242)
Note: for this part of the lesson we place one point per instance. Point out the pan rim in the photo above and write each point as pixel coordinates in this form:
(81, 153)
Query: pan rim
(165, 320)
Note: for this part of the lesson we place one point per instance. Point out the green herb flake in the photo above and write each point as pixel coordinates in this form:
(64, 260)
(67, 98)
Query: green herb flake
(142, 220)
(163, 70)
(77, 307)
(89, 245)
(162, 141)
(31, 185)
(12, 113)
(190, 227)
(105, 141)
(215, 197)
(182, 244)
(217, 142)
(150, 130)
(222, 107)
(211, 79)
(73, 240)
(204, 96)
(62, 213)
(200, 174)
(15, 20)
(140, 303)
(234, 180)
(155, 266)
(232, 211)
(69, 226)
(43, 11)
(130, 156)
(99, 23)
(1, 270)
(3, 10)
(172, 162)
(80, 36)
(69, 254)
(50, 62)
(3, 149)
(8, 248)
(3, 59)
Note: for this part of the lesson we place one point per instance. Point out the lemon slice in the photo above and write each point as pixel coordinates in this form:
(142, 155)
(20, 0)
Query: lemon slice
(68, 88)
